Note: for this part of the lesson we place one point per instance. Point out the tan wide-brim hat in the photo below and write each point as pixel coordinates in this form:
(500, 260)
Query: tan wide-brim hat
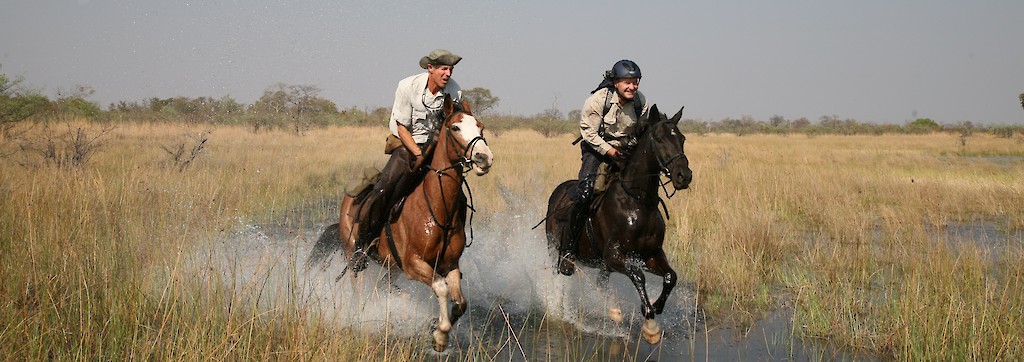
(439, 57)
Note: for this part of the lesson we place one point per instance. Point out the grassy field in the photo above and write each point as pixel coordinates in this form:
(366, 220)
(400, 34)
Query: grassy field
(858, 235)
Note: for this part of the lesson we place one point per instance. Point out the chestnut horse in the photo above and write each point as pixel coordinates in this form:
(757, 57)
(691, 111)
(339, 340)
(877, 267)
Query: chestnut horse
(428, 236)
(625, 230)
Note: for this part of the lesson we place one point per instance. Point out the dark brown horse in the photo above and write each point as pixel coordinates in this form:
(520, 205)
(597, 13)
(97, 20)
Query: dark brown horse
(626, 230)
(428, 237)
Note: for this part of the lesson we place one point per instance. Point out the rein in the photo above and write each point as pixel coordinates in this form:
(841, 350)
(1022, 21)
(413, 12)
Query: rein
(461, 168)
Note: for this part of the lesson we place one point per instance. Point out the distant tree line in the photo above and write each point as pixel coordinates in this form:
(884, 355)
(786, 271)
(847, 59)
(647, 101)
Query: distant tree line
(299, 108)
(296, 108)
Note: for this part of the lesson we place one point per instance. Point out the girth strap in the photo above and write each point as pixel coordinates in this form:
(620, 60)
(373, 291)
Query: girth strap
(391, 245)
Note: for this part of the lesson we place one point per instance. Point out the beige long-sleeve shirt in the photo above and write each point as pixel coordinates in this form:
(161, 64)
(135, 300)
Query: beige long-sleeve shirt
(411, 101)
(618, 122)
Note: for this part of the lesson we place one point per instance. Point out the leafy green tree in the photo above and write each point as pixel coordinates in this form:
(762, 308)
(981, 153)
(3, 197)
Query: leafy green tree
(17, 104)
(298, 105)
(480, 100)
(923, 125)
(74, 102)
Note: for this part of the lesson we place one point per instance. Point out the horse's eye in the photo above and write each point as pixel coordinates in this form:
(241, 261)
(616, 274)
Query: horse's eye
(455, 128)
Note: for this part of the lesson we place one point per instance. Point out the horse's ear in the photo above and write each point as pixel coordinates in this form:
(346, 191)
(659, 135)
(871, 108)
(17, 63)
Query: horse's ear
(465, 108)
(653, 115)
(678, 116)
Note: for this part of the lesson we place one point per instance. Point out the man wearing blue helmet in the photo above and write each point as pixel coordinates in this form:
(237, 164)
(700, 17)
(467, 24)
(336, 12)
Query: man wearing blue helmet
(608, 119)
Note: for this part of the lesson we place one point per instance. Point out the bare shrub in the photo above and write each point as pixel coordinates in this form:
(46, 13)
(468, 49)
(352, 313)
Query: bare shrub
(71, 148)
(195, 144)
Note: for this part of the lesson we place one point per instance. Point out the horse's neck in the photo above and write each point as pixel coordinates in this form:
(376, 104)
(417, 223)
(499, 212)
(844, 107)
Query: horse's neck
(640, 176)
(450, 180)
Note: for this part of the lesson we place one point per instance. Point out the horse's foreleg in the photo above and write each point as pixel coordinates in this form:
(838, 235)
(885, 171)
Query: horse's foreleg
(618, 262)
(459, 304)
(658, 265)
(444, 325)
(636, 275)
(418, 269)
(651, 330)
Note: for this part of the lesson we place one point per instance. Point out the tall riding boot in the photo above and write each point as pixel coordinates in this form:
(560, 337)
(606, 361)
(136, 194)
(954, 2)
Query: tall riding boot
(577, 221)
(368, 218)
(373, 212)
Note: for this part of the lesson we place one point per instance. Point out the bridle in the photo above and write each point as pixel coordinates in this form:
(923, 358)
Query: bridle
(462, 166)
(663, 165)
(662, 169)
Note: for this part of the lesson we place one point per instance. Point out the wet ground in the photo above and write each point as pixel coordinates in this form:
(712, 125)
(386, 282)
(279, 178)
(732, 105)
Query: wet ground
(519, 308)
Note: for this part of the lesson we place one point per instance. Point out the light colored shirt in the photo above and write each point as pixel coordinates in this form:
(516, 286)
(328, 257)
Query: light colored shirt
(413, 101)
(618, 122)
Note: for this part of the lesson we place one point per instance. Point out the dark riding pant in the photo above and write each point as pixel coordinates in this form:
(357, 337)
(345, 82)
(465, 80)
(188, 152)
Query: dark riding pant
(590, 159)
(397, 179)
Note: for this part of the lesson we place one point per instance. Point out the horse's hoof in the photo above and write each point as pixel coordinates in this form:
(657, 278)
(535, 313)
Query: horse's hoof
(651, 331)
(615, 314)
(566, 266)
(440, 341)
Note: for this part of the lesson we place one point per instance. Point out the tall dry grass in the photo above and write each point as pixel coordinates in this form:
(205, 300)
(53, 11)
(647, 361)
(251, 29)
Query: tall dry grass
(855, 228)
(848, 230)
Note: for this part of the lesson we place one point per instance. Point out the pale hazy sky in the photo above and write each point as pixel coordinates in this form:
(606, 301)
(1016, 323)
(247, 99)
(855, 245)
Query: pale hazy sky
(872, 60)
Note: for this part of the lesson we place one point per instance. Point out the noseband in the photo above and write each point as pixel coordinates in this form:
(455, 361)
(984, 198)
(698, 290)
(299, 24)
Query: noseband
(464, 163)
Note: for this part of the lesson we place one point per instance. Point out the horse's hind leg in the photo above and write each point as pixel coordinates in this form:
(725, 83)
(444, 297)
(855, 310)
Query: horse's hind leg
(614, 312)
(347, 230)
(459, 304)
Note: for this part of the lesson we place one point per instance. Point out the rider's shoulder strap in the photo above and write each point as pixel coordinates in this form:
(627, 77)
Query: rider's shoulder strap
(638, 107)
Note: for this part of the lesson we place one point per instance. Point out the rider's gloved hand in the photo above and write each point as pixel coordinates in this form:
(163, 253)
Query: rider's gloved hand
(615, 153)
(417, 162)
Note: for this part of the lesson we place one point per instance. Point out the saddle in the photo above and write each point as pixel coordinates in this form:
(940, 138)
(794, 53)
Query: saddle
(358, 188)
(606, 175)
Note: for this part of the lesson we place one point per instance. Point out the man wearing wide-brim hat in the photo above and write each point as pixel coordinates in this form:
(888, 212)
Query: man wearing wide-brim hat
(415, 118)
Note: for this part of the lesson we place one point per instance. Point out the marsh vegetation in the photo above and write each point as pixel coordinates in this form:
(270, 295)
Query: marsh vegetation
(892, 246)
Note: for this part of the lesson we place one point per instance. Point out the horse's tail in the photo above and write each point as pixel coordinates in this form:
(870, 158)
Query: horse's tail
(330, 242)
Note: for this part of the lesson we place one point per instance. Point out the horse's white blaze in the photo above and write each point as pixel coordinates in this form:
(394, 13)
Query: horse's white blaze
(480, 152)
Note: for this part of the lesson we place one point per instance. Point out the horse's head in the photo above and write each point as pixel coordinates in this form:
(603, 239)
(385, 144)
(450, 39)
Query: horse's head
(668, 141)
(465, 132)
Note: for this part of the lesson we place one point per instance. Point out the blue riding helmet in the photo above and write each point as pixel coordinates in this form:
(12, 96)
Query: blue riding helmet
(624, 69)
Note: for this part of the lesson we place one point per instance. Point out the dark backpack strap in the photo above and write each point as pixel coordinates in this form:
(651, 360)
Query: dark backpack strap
(604, 112)
(638, 107)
